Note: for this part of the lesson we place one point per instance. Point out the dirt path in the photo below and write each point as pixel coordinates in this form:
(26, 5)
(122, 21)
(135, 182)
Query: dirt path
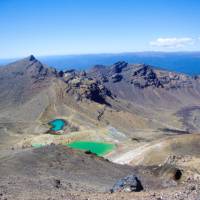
(127, 157)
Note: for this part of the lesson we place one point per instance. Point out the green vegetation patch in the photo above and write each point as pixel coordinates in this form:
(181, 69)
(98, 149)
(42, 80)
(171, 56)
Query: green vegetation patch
(99, 148)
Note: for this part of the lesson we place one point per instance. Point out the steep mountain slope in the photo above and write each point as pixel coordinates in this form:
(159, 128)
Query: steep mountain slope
(25, 91)
(19, 81)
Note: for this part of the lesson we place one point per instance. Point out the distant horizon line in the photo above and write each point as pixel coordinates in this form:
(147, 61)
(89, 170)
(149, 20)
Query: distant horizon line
(105, 53)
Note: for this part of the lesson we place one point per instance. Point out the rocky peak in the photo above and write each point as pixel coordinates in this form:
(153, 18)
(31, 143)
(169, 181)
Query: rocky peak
(85, 88)
(144, 76)
(35, 69)
(118, 67)
(142, 70)
(28, 67)
(31, 58)
(28, 60)
(139, 75)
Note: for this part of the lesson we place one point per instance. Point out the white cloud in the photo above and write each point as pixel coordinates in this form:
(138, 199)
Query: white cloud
(172, 42)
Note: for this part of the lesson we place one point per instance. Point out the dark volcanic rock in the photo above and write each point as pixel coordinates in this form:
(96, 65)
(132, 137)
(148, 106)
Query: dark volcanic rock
(116, 78)
(82, 87)
(144, 76)
(128, 184)
(98, 93)
(118, 67)
(31, 58)
(60, 73)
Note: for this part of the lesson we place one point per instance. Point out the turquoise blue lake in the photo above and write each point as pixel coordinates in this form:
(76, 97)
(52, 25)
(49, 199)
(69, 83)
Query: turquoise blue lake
(57, 124)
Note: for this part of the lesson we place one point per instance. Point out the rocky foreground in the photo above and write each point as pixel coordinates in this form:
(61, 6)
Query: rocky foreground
(57, 172)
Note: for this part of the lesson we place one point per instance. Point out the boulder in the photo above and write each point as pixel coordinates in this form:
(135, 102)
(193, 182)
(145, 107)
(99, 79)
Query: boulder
(127, 184)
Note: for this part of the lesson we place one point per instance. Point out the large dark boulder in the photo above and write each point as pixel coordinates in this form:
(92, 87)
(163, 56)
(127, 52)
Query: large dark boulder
(127, 184)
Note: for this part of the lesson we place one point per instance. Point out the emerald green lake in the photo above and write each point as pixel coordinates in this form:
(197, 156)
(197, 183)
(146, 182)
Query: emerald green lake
(57, 124)
(98, 148)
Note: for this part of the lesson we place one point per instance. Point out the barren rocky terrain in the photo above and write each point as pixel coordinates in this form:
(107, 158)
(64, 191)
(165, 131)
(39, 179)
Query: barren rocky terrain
(152, 117)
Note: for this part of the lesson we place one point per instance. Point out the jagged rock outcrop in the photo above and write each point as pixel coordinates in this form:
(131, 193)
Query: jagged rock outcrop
(172, 80)
(118, 67)
(141, 75)
(82, 87)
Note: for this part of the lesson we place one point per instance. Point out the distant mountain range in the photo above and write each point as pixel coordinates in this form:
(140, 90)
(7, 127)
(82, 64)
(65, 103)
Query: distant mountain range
(185, 62)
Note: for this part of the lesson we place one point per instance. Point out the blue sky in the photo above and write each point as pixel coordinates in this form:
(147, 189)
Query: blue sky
(53, 27)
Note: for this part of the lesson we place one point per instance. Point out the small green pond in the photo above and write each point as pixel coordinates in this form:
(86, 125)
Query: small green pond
(57, 124)
(98, 148)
